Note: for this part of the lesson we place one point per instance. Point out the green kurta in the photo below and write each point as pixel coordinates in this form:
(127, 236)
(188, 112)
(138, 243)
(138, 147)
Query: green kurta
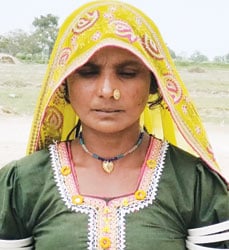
(176, 192)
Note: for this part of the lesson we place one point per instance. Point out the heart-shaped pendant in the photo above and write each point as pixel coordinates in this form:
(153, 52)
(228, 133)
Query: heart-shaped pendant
(108, 166)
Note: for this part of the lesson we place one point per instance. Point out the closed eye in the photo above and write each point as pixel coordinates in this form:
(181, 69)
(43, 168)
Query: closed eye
(87, 73)
(88, 70)
(128, 74)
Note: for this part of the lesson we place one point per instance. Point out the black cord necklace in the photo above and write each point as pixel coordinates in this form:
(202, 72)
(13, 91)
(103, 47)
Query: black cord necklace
(108, 163)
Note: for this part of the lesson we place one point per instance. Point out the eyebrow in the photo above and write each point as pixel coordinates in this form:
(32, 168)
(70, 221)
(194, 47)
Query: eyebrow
(130, 63)
(118, 65)
(89, 64)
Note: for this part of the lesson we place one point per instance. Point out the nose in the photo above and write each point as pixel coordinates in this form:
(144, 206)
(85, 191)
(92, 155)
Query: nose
(107, 85)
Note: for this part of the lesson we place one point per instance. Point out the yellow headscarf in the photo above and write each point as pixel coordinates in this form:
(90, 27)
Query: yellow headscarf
(104, 23)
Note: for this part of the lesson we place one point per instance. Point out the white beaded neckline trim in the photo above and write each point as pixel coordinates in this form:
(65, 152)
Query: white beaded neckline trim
(116, 210)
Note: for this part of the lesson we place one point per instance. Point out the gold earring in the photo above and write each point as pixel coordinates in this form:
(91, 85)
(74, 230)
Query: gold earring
(116, 94)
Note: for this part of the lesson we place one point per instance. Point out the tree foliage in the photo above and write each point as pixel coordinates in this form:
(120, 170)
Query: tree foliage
(227, 58)
(198, 57)
(16, 41)
(37, 44)
(46, 28)
(172, 53)
(219, 59)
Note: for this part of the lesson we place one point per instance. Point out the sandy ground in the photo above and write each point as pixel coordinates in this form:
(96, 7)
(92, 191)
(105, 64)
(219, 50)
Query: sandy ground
(14, 131)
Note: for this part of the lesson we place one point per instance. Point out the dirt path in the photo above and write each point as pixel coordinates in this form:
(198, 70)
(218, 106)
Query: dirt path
(14, 132)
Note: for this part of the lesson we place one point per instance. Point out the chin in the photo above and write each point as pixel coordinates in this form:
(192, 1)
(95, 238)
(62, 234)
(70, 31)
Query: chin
(108, 129)
(104, 127)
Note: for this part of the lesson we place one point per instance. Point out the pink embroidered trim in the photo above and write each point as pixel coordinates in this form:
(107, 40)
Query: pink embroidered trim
(107, 219)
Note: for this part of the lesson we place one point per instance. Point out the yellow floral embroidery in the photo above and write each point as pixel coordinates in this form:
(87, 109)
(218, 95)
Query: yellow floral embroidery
(106, 210)
(107, 220)
(125, 202)
(65, 170)
(105, 242)
(77, 199)
(140, 195)
(106, 229)
(151, 163)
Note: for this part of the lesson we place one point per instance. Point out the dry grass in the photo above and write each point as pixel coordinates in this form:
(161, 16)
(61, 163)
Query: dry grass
(209, 88)
(19, 87)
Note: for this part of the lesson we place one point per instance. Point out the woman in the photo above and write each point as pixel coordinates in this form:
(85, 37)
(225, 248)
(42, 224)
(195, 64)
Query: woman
(118, 158)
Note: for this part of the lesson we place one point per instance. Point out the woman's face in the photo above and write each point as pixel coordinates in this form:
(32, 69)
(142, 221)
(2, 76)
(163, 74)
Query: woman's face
(91, 90)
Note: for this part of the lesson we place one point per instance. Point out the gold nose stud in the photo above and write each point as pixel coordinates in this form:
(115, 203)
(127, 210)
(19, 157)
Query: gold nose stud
(116, 94)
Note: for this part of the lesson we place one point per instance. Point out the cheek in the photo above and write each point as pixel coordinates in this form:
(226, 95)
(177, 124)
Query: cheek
(73, 96)
(77, 93)
(142, 101)
(77, 101)
(141, 97)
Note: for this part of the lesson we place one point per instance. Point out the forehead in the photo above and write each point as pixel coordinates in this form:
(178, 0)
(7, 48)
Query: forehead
(112, 54)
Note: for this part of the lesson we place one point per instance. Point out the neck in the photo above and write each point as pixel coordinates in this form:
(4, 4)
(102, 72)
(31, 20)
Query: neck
(110, 144)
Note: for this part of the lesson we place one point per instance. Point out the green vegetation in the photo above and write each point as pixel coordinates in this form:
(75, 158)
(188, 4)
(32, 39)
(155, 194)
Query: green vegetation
(35, 46)
(208, 85)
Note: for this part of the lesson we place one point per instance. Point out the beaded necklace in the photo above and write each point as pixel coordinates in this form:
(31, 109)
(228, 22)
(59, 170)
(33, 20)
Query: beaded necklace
(108, 163)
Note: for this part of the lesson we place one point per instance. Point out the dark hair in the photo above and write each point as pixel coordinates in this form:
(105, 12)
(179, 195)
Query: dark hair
(154, 91)
(76, 128)
(66, 92)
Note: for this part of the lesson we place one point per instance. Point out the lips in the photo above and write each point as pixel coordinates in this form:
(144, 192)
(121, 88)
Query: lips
(108, 110)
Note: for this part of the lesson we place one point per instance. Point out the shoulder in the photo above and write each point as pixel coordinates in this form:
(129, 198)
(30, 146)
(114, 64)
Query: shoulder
(27, 168)
(189, 169)
(27, 187)
(189, 185)
(178, 157)
(36, 162)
